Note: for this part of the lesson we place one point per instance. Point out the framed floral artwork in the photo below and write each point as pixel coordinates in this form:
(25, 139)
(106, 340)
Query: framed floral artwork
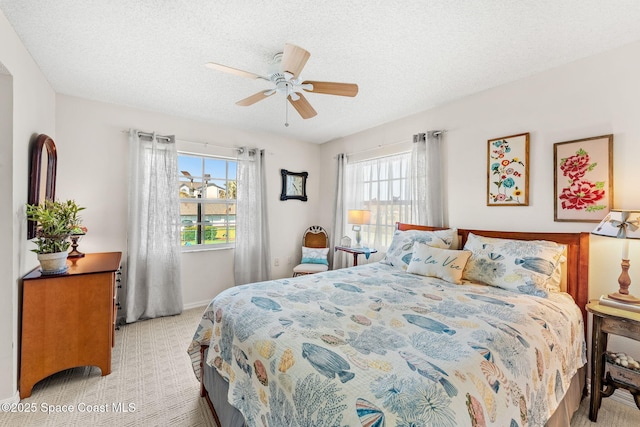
(508, 171)
(583, 185)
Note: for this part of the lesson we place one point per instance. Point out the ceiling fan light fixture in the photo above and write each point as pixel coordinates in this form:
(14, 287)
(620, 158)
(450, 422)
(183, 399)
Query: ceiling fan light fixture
(285, 69)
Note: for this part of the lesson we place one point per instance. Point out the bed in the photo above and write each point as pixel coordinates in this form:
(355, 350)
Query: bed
(391, 343)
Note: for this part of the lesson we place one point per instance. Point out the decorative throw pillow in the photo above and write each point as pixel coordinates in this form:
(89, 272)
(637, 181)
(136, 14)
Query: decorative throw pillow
(554, 284)
(401, 249)
(524, 266)
(445, 264)
(314, 255)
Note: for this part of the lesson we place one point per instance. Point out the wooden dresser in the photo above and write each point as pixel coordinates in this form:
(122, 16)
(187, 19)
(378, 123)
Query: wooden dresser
(68, 320)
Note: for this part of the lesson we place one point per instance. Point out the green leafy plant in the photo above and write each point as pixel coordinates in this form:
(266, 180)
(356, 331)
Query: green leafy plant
(55, 222)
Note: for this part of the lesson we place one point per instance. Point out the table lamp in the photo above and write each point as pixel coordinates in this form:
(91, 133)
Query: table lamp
(622, 224)
(357, 217)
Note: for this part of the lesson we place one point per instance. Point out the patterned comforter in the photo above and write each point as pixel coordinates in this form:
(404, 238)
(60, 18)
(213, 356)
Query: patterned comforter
(374, 346)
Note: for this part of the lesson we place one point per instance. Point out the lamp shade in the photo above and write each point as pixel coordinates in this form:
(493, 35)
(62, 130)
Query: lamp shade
(358, 216)
(623, 224)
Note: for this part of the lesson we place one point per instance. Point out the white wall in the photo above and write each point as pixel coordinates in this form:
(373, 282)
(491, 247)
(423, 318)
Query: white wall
(92, 169)
(7, 303)
(28, 102)
(594, 96)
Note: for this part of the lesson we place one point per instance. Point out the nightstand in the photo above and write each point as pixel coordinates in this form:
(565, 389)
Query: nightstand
(356, 252)
(609, 320)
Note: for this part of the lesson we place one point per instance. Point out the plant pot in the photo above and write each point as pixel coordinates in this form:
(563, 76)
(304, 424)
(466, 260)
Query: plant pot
(55, 263)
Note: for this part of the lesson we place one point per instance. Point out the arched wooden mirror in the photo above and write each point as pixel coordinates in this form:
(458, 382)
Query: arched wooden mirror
(42, 177)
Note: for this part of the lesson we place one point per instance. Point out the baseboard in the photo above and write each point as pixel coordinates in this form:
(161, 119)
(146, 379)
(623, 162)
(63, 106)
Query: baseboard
(620, 396)
(120, 321)
(14, 399)
(203, 303)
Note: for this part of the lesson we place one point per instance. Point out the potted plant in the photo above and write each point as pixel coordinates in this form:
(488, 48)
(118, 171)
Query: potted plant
(55, 222)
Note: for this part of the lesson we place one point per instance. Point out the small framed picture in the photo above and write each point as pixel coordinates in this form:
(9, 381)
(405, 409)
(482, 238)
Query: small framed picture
(583, 184)
(345, 242)
(508, 171)
(294, 185)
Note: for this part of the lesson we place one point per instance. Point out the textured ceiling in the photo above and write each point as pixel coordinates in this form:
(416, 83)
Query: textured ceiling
(406, 56)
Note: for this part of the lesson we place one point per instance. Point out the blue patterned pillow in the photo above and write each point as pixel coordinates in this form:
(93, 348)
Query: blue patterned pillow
(314, 255)
(400, 251)
(524, 266)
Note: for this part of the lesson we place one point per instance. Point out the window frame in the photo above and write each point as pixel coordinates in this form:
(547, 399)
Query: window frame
(203, 202)
(374, 234)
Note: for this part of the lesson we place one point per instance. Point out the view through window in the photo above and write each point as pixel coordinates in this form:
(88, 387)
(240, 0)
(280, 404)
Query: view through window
(207, 190)
(382, 186)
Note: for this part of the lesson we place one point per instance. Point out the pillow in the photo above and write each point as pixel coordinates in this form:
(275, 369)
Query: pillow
(444, 264)
(314, 255)
(555, 282)
(401, 249)
(524, 266)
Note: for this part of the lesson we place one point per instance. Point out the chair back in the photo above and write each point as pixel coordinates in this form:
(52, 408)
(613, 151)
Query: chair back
(315, 237)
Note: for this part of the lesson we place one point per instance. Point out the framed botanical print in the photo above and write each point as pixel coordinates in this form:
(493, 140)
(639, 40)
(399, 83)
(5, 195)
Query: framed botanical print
(294, 185)
(583, 179)
(508, 171)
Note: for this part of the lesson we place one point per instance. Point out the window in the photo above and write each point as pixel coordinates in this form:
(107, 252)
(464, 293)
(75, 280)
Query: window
(382, 186)
(207, 191)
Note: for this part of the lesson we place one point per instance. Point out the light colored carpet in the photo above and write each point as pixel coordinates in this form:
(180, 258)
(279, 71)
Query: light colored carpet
(163, 389)
(150, 370)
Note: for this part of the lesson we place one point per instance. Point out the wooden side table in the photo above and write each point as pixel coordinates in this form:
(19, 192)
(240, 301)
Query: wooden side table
(356, 252)
(609, 320)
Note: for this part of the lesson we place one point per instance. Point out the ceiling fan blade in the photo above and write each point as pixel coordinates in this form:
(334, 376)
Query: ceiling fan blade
(250, 100)
(332, 88)
(303, 107)
(232, 70)
(294, 59)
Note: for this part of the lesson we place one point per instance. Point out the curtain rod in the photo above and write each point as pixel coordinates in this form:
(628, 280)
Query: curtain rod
(403, 141)
(208, 144)
(422, 136)
(149, 135)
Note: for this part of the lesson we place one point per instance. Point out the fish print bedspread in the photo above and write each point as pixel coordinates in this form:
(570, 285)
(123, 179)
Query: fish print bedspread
(374, 346)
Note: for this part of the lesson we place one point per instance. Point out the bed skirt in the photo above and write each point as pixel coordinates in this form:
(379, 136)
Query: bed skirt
(214, 389)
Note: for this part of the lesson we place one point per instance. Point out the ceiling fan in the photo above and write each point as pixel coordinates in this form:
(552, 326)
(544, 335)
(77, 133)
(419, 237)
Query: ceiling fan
(285, 79)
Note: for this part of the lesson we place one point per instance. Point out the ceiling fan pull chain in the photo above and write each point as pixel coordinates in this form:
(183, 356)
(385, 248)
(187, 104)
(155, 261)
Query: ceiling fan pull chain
(286, 113)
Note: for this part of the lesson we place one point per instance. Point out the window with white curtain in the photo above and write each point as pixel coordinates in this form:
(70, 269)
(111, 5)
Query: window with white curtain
(207, 190)
(382, 186)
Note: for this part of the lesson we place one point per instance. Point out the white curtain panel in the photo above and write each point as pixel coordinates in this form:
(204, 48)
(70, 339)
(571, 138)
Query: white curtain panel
(427, 202)
(339, 215)
(153, 239)
(252, 253)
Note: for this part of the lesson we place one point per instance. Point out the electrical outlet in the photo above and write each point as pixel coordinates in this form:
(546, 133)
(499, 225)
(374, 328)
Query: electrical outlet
(276, 262)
